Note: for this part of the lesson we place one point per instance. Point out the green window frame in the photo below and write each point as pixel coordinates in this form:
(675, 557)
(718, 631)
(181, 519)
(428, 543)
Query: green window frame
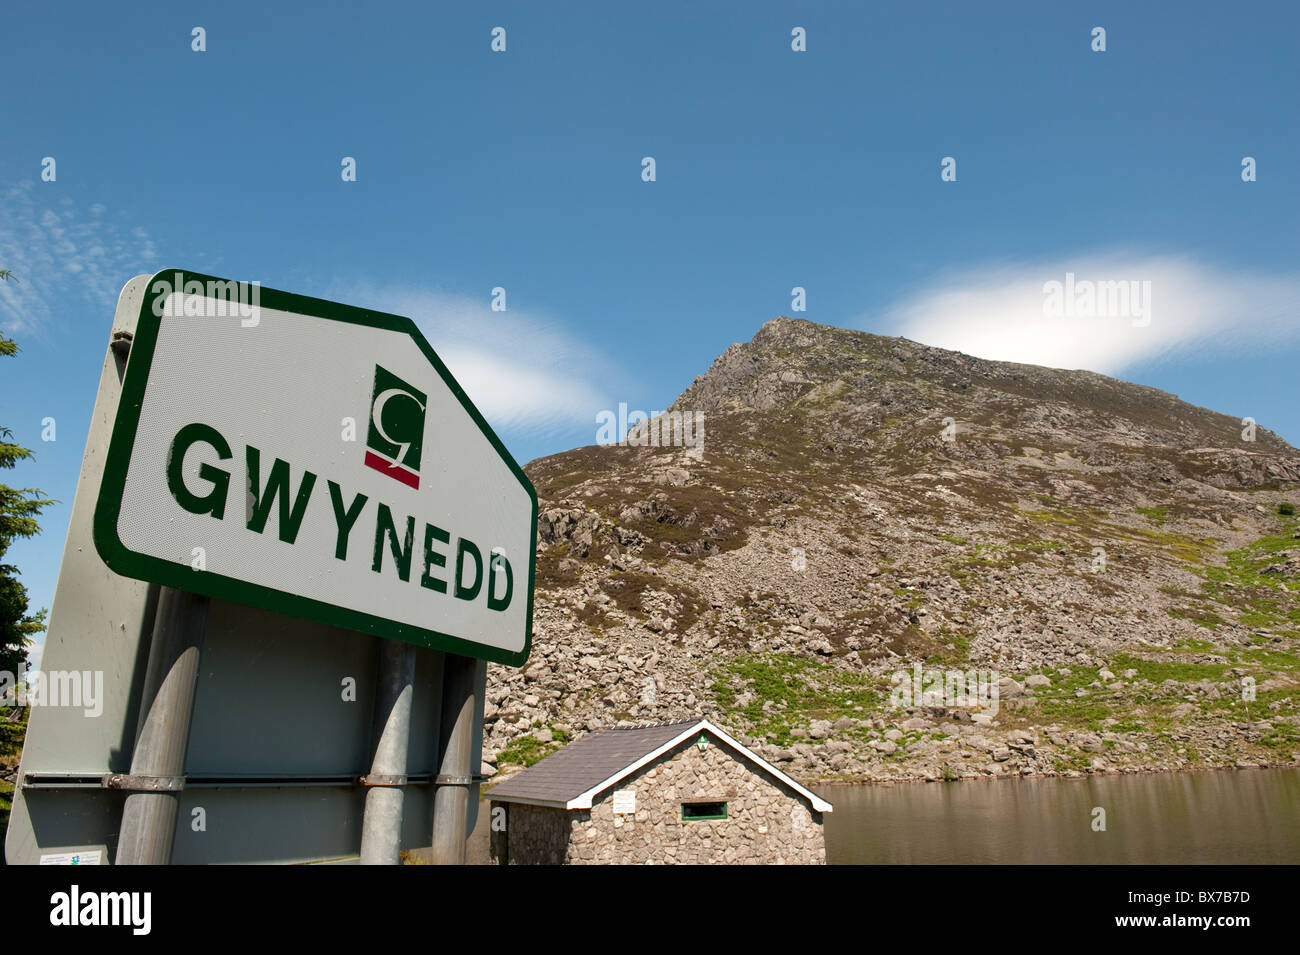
(703, 811)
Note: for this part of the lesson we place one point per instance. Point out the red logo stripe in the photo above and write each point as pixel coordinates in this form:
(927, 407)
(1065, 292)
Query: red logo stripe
(409, 478)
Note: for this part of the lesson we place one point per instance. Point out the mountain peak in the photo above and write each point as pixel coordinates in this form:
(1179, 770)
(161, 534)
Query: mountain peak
(792, 362)
(856, 505)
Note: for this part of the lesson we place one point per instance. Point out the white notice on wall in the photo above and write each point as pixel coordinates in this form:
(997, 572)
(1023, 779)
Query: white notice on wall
(624, 802)
(85, 857)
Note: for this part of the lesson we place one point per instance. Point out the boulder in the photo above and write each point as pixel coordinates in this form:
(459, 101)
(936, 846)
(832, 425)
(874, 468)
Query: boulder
(1009, 689)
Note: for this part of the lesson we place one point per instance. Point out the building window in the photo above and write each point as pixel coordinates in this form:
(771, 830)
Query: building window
(703, 811)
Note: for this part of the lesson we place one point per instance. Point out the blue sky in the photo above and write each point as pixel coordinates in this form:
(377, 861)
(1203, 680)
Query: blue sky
(774, 169)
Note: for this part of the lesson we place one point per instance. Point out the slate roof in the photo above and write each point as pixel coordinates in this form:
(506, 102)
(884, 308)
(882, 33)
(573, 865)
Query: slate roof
(588, 761)
(588, 766)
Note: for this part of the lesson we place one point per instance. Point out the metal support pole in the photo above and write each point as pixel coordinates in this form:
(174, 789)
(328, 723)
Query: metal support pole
(158, 759)
(381, 827)
(455, 775)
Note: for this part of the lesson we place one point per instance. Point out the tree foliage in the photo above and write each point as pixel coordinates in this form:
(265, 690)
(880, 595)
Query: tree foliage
(19, 508)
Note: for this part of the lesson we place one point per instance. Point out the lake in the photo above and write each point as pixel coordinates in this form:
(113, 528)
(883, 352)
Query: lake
(1242, 817)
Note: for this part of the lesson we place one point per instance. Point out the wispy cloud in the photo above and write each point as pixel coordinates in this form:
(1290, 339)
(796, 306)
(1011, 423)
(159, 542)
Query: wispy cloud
(1002, 311)
(61, 252)
(523, 370)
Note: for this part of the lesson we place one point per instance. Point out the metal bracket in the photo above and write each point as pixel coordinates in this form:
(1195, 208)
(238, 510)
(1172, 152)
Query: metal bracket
(143, 784)
(378, 779)
(447, 779)
(124, 782)
(121, 342)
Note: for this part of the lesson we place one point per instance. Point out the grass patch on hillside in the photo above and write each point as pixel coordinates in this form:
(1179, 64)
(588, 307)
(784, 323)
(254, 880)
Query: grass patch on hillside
(528, 749)
(986, 555)
(1092, 526)
(1157, 515)
(1193, 645)
(954, 655)
(1267, 658)
(799, 691)
(1261, 707)
(1261, 600)
(1200, 616)
(1080, 712)
(1180, 546)
(1058, 704)
(1157, 671)
(1102, 710)
(1283, 737)
(1039, 544)
(1244, 565)
(1059, 515)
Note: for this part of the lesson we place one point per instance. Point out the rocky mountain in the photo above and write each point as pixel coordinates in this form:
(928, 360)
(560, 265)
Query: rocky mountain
(864, 512)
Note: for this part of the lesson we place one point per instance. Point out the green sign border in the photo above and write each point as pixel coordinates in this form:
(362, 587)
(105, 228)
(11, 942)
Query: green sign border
(128, 563)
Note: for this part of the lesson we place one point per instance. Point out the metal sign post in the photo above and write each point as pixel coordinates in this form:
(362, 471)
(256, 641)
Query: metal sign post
(382, 825)
(158, 760)
(455, 774)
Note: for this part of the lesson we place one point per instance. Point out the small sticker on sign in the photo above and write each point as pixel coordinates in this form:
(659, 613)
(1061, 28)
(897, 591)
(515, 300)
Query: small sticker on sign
(624, 802)
(88, 857)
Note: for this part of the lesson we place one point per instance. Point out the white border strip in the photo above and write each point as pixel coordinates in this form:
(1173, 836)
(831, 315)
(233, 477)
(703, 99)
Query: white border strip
(584, 800)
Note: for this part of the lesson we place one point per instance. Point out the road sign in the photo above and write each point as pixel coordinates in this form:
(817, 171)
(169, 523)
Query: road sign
(318, 460)
(284, 716)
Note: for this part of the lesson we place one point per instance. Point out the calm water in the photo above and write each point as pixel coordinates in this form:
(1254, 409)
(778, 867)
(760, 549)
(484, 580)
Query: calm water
(1252, 816)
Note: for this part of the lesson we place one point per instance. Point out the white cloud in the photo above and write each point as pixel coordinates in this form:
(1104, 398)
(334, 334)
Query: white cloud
(34, 654)
(523, 371)
(60, 255)
(1001, 312)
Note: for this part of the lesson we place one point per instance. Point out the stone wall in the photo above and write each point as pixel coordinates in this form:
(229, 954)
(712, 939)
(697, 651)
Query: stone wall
(534, 835)
(766, 823)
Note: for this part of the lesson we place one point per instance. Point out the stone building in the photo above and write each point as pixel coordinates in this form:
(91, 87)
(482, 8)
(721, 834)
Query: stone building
(682, 792)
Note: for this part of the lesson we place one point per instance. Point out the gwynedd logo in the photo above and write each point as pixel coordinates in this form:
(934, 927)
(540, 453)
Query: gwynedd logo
(396, 428)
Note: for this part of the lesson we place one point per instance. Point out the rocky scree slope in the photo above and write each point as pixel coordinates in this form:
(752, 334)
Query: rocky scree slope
(1127, 564)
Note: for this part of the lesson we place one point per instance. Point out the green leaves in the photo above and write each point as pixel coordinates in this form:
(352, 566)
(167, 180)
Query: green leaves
(19, 508)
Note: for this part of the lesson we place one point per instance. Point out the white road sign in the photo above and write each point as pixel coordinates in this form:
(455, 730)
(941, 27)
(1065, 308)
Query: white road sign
(318, 460)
